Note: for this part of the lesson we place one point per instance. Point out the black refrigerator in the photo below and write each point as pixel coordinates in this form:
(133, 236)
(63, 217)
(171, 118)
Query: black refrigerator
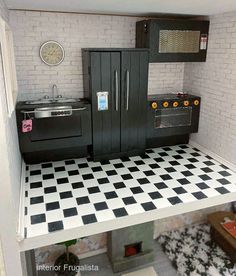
(115, 81)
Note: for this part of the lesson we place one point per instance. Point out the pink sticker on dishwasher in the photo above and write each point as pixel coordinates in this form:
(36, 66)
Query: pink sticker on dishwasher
(27, 125)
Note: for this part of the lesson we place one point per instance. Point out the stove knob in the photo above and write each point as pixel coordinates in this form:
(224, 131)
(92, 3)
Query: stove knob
(165, 104)
(175, 104)
(196, 102)
(186, 103)
(154, 105)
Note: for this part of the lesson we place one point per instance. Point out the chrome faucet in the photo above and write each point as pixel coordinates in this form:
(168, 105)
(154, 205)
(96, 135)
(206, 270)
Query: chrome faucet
(54, 88)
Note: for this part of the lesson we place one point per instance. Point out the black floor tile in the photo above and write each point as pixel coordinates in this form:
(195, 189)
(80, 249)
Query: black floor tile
(143, 181)
(36, 200)
(179, 190)
(35, 219)
(70, 212)
(88, 176)
(73, 172)
(202, 185)
(93, 190)
(127, 176)
(155, 195)
(64, 195)
(129, 200)
(174, 200)
(48, 176)
(110, 195)
(77, 185)
(119, 185)
(148, 206)
(60, 169)
(62, 180)
(120, 212)
(100, 206)
(103, 180)
(55, 226)
(35, 185)
(199, 195)
(111, 172)
(97, 169)
(52, 189)
(161, 185)
(222, 190)
(35, 172)
(82, 200)
(52, 206)
(136, 190)
(89, 219)
(183, 181)
(165, 177)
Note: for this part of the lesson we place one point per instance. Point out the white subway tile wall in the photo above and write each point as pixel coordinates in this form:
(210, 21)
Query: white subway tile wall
(165, 77)
(215, 81)
(76, 31)
(3, 10)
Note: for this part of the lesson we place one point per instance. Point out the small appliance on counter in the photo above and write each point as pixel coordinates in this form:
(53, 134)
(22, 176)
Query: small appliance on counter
(171, 118)
(52, 130)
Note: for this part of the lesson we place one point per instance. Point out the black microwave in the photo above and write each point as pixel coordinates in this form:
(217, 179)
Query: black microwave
(173, 40)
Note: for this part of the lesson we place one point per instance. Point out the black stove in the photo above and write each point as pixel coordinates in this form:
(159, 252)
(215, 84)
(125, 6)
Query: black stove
(171, 118)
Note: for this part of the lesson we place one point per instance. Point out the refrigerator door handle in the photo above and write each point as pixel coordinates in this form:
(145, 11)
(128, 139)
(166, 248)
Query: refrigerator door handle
(127, 90)
(117, 90)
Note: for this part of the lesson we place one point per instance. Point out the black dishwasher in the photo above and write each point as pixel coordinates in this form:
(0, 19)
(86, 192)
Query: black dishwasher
(55, 132)
(171, 118)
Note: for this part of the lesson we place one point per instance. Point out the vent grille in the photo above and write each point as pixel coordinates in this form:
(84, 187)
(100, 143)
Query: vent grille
(176, 41)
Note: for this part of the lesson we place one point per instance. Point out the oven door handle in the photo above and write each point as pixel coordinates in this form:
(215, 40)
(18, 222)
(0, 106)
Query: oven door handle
(51, 110)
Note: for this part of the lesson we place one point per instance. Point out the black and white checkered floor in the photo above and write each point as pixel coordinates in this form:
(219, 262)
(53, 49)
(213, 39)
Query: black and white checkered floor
(72, 193)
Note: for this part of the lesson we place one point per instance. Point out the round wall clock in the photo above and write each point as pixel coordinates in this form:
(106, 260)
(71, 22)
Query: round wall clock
(52, 53)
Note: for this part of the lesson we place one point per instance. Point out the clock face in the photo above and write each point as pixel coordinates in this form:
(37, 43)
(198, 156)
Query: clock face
(52, 53)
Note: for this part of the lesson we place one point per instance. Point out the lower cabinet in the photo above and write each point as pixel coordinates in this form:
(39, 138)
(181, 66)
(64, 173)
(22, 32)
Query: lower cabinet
(115, 80)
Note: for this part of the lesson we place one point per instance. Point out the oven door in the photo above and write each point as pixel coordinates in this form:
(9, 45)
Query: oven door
(52, 133)
(57, 127)
(172, 121)
(173, 117)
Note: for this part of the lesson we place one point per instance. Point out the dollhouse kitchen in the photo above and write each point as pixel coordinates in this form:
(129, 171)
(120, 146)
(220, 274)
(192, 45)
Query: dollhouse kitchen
(117, 138)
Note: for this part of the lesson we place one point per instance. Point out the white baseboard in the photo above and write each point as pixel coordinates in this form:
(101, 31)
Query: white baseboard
(213, 155)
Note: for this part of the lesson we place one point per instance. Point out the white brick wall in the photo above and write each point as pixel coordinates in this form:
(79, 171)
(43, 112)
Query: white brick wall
(75, 31)
(215, 81)
(165, 77)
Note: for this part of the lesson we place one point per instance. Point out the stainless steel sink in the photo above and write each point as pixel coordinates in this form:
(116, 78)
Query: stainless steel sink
(50, 101)
(39, 102)
(66, 100)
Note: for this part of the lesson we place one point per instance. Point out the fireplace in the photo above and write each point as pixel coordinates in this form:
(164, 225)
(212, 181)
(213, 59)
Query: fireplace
(131, 246)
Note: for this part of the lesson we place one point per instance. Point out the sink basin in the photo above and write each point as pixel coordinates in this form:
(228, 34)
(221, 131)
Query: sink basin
(50, 101)
(66, 100)
(39, 102)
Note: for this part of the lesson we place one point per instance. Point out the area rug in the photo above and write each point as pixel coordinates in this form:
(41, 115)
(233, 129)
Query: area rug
(192, 252)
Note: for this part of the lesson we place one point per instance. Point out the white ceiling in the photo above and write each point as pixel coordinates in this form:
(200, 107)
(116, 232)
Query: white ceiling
(131, 7)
